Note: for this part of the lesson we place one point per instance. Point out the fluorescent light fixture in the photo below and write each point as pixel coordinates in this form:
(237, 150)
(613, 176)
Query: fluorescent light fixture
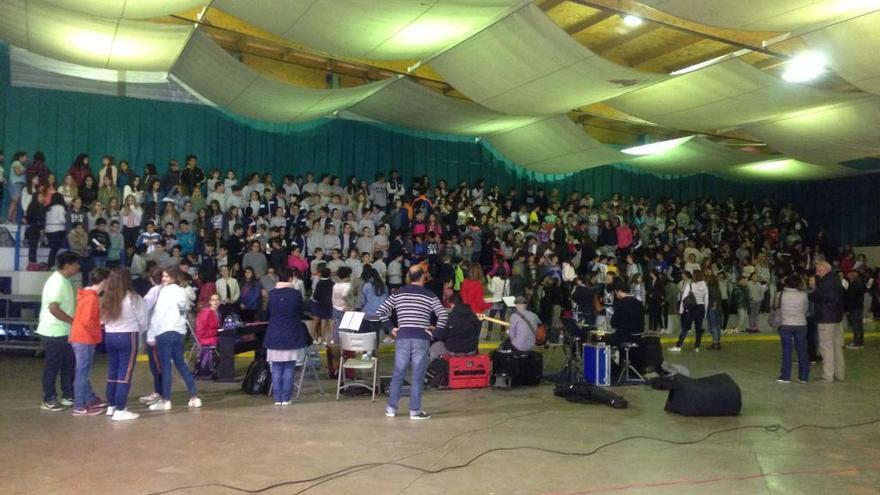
(804, 66)
(711, 61)
(632, 20)
(770, 167)
(658, 147)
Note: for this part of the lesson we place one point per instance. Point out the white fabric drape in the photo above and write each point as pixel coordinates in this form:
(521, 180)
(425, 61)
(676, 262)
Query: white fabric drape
(852, 49)
(554, 145)
(218, 78)
(526, 65)
(92, 41)
(728, 94)
(763, 15)
(828, 134)
(408, 104)
(386, 29)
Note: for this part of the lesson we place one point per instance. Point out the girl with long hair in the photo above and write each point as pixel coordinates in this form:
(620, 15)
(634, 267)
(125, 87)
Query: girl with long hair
(131, 218)
(168, 327)
(56, 225)
(135, 187)
(80, 169)
(124, 318)
(251, 291)
(69, 189)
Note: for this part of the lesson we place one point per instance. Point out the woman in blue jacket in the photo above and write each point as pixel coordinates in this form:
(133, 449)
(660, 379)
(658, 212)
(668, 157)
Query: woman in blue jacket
(286, 336)
(373, 294)
(251, 294)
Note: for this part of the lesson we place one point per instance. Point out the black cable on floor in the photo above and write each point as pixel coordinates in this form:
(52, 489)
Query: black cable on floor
(346, 471)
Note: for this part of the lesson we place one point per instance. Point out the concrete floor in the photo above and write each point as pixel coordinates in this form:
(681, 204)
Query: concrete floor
(248, 443)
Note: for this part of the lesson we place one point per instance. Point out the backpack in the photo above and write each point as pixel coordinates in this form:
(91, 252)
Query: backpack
(437, 375)
(690, 301)
(258, 378)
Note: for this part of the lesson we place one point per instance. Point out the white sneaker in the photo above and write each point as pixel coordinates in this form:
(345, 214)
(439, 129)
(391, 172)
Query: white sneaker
(696, 349)
(195, 402)
(161, 405)
(111, 410)
(390, 412)
(149, 399)
(124, 415)
(674, 349)
(277, 403)
(286, 403)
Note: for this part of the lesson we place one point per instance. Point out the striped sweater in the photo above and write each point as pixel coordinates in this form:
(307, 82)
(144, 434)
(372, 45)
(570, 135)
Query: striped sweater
(413, 307)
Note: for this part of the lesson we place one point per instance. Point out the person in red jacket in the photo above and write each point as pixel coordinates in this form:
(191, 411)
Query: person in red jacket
(85, 334)
(472, 291)
(207, 327)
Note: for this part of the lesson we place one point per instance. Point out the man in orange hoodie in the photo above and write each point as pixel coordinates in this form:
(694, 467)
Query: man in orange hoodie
(85, 334)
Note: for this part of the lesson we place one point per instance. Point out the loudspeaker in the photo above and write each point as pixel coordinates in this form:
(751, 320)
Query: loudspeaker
(716, 395)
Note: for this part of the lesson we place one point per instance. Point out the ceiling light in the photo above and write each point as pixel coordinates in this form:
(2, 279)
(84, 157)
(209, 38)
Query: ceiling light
(632, 20)
(803, 67)
(658, 147)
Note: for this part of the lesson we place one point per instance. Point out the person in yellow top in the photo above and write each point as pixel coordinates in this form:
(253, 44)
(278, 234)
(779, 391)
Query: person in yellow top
(56, 315)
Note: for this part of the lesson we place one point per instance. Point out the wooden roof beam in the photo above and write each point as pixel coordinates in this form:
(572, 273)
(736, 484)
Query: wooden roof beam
(740, 39)
(549, 4)
(661, 50)
(588, 22)
(626, 38)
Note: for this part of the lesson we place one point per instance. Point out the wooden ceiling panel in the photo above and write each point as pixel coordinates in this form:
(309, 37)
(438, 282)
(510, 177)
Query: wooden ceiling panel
(568, 14)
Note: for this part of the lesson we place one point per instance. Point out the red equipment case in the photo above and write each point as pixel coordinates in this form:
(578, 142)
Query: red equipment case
(469, 371)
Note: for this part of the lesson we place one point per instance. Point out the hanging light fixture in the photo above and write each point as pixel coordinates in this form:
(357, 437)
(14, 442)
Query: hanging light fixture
(632, 20)
(804, 67)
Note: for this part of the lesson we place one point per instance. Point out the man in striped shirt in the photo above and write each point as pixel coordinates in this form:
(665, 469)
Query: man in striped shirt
(414, 307)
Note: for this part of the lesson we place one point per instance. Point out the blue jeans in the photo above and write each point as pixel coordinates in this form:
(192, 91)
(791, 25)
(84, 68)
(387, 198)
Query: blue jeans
(714, 320)
(799, 336)
(83, 395)
(337, 320)
(155, 368)
(170, 347)
(282, 380)
(409, 352)
(121, 357)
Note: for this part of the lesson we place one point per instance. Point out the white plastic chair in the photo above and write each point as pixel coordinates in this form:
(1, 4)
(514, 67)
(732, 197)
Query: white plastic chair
(357, 342)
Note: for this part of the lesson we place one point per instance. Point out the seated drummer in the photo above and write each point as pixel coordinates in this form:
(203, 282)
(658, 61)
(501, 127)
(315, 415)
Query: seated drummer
(461, 335)
(523, 328)
(628, 319)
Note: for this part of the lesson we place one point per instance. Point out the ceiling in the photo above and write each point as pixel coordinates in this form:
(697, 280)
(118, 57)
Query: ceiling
(555, 85)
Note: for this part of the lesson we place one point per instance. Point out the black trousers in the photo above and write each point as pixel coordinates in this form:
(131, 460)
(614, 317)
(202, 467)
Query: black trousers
(655, 316)
(725, 313)
(812, 339)
(694, 316)
(59, 360)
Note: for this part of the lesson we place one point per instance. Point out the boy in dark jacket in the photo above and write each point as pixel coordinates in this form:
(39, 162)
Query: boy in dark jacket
(461, 335)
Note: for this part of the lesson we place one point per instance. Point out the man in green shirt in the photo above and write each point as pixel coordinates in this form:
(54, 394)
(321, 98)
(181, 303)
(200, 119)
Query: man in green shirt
(56, 315)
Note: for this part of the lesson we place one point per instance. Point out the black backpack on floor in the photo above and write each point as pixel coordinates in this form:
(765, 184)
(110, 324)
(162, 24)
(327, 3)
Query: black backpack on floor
(258, 378)
(437, 375)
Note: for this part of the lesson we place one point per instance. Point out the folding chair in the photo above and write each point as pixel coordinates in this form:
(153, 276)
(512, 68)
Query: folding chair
(363, 343)
(308, 363)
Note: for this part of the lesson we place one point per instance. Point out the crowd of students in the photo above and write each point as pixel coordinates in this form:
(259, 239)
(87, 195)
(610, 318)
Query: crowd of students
(349, 243)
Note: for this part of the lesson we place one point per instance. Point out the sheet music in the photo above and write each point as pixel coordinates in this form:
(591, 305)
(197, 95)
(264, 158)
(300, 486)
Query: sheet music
(351, 320)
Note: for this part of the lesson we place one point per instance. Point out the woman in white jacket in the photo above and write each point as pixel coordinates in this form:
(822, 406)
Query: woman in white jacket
(124, 318)
(692, 283)
(499, 287)
(168, 320)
